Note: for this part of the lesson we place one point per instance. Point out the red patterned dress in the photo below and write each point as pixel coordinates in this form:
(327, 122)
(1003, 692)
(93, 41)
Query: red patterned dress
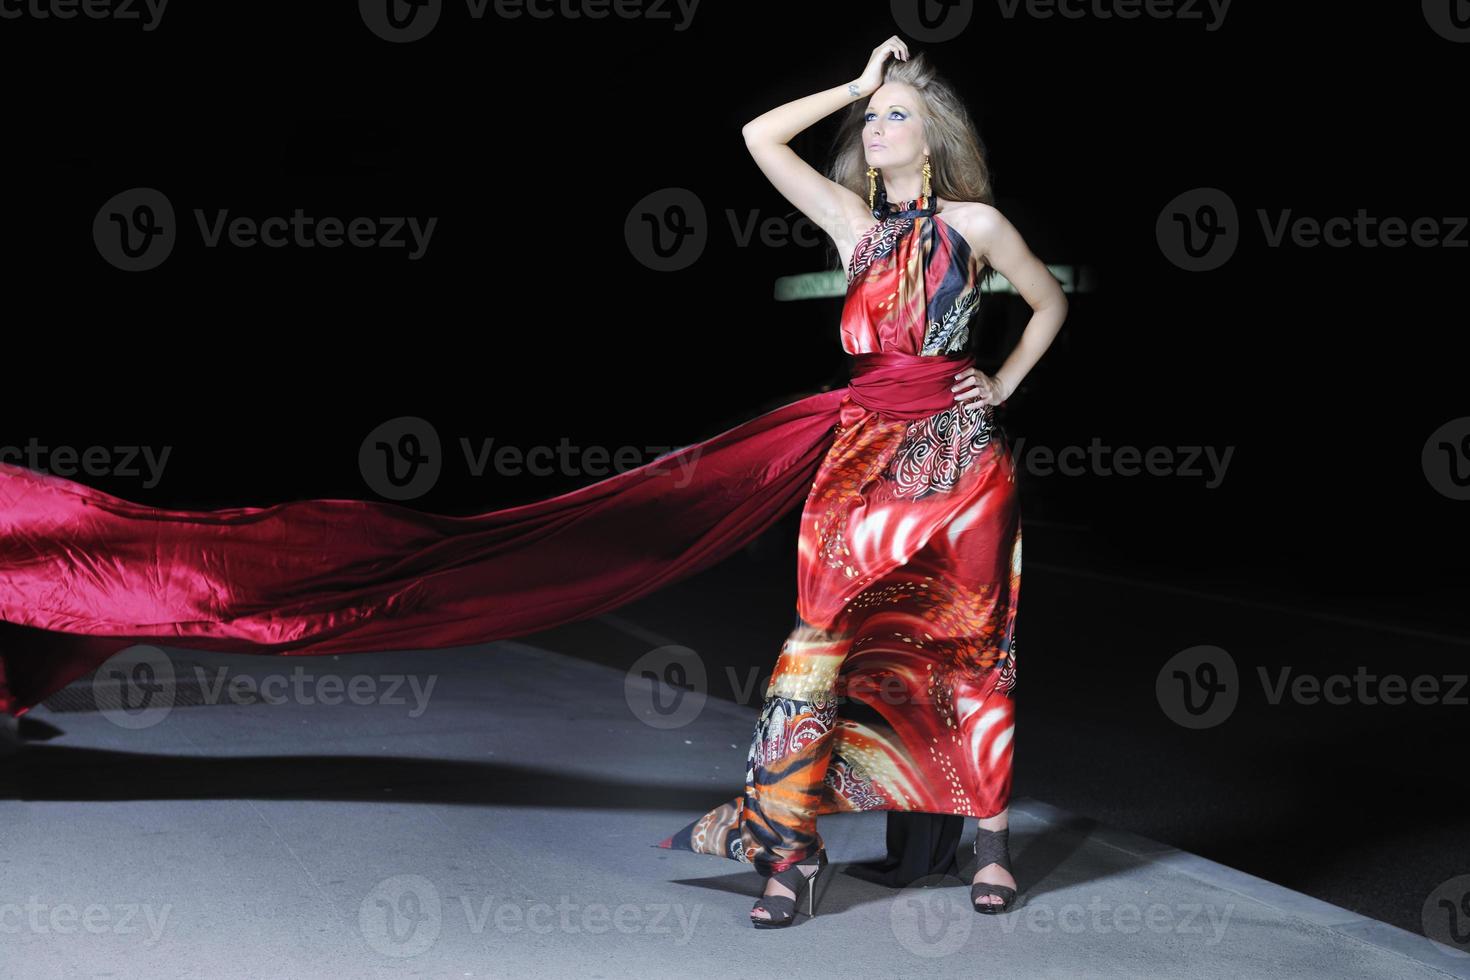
(893, 690)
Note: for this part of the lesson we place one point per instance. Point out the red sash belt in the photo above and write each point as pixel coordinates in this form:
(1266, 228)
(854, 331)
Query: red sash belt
(905, 386)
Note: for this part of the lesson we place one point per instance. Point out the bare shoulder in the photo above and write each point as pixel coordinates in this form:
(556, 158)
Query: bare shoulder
(999, 244)
(978, 222)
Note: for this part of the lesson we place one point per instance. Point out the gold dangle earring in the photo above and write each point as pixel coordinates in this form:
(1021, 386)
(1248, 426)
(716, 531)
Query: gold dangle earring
(872, 188)
(927, 172)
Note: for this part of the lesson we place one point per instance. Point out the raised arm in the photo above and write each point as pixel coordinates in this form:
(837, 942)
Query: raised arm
(830, 206)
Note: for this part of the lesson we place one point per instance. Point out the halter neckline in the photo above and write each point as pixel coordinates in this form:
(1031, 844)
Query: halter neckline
(908, 209)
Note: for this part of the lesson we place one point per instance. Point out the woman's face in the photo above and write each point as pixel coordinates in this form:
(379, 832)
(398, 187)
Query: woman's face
(893, 135)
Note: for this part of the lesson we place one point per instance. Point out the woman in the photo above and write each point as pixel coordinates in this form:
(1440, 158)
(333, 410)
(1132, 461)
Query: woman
(893, 689)
(910, 561)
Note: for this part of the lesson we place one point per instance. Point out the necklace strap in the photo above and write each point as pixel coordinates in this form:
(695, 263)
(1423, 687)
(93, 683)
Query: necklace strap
(924, 208)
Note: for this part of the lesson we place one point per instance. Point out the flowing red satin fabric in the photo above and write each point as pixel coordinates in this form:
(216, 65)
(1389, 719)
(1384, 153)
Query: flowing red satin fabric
(84, 574)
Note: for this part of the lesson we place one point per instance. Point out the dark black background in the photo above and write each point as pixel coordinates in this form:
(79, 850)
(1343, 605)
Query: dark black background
(530, 319)
(1326, 368)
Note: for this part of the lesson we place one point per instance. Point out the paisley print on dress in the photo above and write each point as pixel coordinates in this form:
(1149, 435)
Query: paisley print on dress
(893, 689)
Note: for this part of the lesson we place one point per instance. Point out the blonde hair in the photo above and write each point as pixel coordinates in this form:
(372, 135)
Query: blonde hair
(957, 164)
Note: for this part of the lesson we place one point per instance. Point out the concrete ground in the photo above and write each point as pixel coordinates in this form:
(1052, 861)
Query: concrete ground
(493, 812)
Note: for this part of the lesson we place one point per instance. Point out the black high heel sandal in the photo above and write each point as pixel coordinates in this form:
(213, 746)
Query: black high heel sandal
(781, 909)
(991, 847)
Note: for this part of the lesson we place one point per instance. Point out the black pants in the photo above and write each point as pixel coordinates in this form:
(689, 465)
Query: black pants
(920, 846)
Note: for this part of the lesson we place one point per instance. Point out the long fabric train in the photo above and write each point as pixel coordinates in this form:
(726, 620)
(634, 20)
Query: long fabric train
(84, 574)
